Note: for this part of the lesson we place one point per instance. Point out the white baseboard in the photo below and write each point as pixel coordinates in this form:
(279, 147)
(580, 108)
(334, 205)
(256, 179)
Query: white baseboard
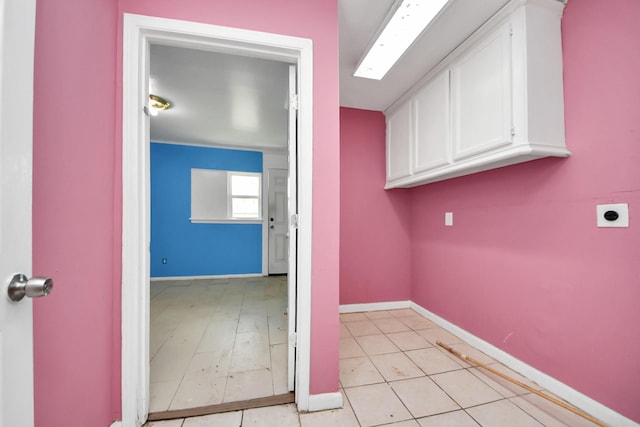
(374, 306)
(221, 276)
(325, 401)
(116, 424)
(597, 409)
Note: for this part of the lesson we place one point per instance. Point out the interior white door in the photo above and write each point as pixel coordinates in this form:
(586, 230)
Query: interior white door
(292, 278)
(278, 221)
(17, 29)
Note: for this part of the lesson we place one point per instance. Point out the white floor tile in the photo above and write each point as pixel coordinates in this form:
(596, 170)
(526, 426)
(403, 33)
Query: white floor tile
(502, 414)
(357, 371)
(376, 404)
(278, 329)
(209, 365)
(251, 322)
(272, 416)
(248, 385)
(377, 344)
(466, 389)
(199, 392)
(169, 423)
(279, 370)
(409, 340)
(337, 417)
(362, 327)
(227, 419)
(250, 352)
(423, 397)
(350, 348)
(161, 394)
(502, 386)
(450, 419)
(390, 325)
(548, 413)
(438, 334)
(396, 366)
(433, 361)
(219, 335)
(170, 363)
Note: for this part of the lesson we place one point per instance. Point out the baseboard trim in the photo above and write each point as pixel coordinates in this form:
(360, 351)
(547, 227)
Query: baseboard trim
(218, 276)
(374, 306)
(587, 404)
(116, 424)
(325, 401)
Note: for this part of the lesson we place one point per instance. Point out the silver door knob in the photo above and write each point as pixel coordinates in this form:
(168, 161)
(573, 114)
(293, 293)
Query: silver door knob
(33, 288)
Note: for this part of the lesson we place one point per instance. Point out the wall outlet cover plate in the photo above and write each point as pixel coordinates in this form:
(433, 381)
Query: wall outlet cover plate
(622, 209)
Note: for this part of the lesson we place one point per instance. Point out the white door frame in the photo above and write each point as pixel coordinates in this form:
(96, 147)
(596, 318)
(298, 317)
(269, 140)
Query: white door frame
(139, 32)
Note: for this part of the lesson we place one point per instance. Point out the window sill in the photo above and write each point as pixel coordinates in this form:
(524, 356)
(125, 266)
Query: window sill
(225, 221)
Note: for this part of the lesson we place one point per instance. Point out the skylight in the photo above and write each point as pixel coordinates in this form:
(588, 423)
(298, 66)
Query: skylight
(406, 24)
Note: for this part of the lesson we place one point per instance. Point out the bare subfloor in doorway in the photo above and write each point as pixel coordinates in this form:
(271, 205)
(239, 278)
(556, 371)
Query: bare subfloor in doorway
(215, 341)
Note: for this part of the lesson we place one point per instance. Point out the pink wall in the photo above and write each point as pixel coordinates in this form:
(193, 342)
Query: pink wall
(78, 191)
(524, 266)
(73, 212)
(380, 269)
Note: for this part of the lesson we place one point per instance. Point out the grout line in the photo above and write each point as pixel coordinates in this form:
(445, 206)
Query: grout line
(469, 368)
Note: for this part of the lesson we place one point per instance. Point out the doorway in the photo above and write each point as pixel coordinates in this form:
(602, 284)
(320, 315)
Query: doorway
(140, 32)
(218, 330)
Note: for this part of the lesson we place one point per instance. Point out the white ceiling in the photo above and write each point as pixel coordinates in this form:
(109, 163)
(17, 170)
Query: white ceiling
(219, 99)
(227, 100)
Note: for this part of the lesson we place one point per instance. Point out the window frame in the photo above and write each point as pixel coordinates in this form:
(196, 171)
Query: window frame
(231, 196)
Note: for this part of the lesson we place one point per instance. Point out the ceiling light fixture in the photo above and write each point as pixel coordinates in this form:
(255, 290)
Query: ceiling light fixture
(402, 28)
(157, 104)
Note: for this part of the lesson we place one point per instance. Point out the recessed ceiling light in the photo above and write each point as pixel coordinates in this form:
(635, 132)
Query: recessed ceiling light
(157, 104)
(405, 25)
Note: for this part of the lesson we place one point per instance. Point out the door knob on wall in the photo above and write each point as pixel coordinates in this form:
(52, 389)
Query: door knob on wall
(33, 288)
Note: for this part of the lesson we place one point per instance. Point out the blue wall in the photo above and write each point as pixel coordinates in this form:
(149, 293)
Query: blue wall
(198, 249)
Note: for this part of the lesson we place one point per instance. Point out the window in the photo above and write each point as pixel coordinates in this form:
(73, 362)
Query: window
(244, 195)
(225, 196)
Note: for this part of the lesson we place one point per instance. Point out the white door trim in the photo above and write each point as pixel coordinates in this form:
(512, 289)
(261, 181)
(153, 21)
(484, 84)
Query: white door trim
(139, 32)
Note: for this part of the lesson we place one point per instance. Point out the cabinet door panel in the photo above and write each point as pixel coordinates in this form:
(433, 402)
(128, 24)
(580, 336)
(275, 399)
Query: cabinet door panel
(431, 105)
(482, 96)
(398, 142)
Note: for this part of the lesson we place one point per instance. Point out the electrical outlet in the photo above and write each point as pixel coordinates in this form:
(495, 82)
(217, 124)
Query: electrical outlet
(448, 219)
(164, 260)
(614, 215)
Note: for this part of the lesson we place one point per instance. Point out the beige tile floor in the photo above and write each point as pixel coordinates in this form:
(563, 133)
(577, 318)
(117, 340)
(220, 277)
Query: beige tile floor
(217, 341)
(392, 373)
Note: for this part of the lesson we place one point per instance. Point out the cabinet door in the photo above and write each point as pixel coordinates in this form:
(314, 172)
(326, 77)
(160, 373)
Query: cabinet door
(482, 88)
(431, 112)
(399, 142)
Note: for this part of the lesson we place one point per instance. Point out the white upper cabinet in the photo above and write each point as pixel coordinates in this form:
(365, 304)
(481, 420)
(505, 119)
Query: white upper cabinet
(431, 118)
(398, 143)
(496, 100)
(481, 95)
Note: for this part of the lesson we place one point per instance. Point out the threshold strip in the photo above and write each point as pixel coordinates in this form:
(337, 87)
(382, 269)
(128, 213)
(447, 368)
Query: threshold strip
(260, 402)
